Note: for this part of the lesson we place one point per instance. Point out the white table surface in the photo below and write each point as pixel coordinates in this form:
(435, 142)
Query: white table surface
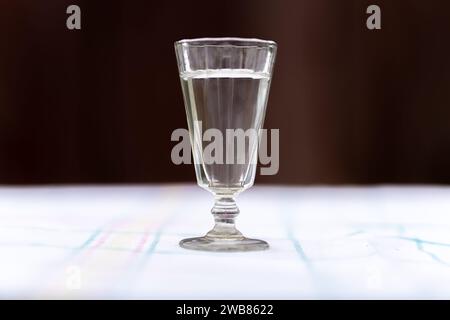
(122, 242)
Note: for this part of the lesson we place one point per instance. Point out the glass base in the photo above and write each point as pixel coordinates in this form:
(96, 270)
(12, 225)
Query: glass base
(224, 237)
(224, 245)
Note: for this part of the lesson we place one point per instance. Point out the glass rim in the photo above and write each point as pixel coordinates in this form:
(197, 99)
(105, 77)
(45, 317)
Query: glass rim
(227, 42)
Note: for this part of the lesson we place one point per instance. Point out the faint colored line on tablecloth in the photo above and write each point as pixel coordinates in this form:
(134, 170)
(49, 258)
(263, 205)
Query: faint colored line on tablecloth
(89, 240)
(136, 266)
(420, 246)
(287, 214)
(298, 247)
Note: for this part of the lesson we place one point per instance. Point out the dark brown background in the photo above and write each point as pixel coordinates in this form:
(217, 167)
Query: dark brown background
(99, 105)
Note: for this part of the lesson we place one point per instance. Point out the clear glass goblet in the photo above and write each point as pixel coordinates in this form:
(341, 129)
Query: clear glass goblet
(225, 84)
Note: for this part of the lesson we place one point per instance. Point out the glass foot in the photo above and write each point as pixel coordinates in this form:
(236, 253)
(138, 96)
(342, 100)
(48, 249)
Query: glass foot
(224, 237)
(224, 245)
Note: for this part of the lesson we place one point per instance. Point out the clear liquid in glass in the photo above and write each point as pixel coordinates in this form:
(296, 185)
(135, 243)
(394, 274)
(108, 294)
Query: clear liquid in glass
(225, 99)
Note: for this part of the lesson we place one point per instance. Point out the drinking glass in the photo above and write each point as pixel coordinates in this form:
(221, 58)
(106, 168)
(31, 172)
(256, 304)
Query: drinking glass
(225, 83)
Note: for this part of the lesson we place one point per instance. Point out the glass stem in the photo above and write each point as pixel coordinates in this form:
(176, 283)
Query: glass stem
(225, 212)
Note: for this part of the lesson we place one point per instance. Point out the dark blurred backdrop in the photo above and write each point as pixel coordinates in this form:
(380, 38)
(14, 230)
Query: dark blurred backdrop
(99, 105)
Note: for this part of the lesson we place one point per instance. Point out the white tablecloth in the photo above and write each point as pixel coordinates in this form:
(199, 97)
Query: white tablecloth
(122, 242)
